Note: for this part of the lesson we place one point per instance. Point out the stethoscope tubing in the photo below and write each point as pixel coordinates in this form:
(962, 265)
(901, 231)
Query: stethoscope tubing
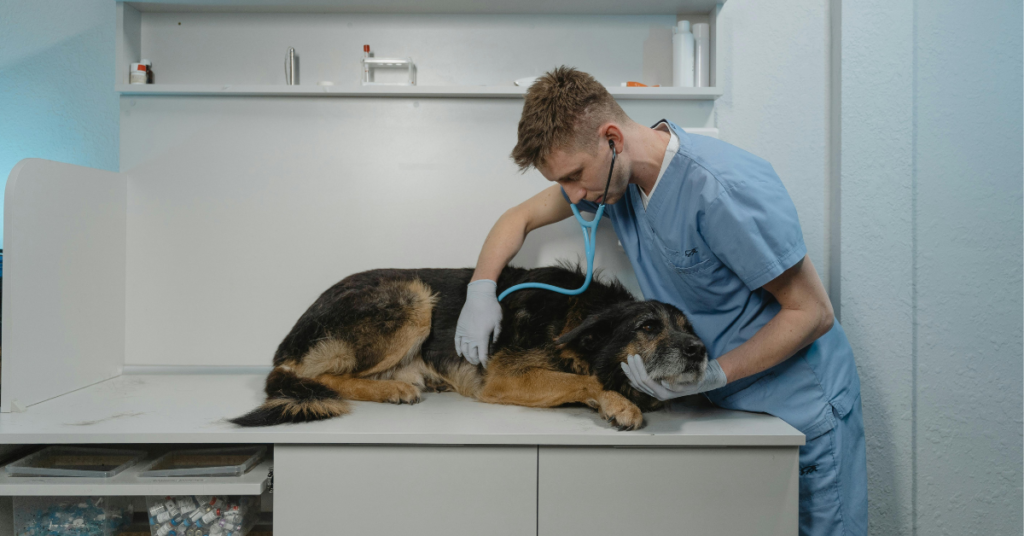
(589, 242)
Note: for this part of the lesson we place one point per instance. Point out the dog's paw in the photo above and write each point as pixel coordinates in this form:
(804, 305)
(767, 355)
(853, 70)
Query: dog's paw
(621, 413)
(626, 423)
(402, 393)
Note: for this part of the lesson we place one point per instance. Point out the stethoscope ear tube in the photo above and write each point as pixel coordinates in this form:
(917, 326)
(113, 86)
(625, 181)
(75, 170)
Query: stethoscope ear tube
(589, 242)
(607, 183)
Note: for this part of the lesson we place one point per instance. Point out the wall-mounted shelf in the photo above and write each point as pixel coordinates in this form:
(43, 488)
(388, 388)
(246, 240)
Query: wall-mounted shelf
(499, 92)
(491, 7)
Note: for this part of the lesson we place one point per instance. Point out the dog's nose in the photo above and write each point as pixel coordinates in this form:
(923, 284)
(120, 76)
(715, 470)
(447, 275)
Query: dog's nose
(693, 348)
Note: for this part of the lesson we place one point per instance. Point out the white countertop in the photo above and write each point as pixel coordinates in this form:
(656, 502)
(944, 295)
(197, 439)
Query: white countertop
(193, 408)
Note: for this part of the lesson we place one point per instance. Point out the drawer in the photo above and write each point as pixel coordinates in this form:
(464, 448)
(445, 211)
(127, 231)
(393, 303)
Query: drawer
(615, 491)
(422, 490)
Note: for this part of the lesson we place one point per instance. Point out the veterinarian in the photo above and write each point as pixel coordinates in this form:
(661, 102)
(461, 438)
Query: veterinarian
(710, 229)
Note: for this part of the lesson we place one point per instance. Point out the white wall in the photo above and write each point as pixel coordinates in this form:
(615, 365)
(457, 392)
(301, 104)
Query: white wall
(774, 65)
(932, 258)
(877, 244)
(242, 210)
(56, 63)
(968, 257)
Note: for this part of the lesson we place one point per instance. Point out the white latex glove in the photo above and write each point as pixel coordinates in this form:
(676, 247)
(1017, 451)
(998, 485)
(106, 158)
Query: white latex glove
(479, 322)
(635, 370)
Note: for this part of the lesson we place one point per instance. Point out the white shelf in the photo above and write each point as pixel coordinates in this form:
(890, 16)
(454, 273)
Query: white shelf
(499, 92)
(183, 409)
(546, 7)
(128, 483)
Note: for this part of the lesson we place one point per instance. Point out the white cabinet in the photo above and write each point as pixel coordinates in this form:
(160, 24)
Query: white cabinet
(387, 490)
(734, 490)
(547, 491)
(448, 465)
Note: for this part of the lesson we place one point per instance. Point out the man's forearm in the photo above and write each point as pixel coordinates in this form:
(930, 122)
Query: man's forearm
(502, 243)
(778, 340)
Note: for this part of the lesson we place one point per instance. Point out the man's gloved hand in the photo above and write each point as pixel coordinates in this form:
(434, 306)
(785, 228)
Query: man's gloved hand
(479, 322)
(635, 370)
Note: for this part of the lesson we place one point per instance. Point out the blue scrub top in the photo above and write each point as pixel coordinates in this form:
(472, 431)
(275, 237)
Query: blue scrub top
(719, 227)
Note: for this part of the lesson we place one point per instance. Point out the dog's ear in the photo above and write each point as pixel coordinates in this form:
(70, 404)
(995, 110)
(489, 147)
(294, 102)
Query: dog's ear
(591, 329)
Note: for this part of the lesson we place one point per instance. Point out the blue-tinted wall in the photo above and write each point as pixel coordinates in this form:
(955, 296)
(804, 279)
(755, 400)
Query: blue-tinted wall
(932, 193)
(57, 98)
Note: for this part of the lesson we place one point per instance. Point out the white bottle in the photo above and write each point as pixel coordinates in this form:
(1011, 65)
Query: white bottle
(682, 55)
(702, 54)
(137, 74)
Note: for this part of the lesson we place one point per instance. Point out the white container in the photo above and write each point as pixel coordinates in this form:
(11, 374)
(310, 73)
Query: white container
(101, 516)
(137, 74)
(228, 514)
(682, 55)
(371, 66)
(702, 54)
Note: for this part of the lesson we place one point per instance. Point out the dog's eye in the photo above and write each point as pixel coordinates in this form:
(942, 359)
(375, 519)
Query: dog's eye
(650, 326)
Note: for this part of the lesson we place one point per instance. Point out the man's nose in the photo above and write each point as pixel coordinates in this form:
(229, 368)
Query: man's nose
(577, 194)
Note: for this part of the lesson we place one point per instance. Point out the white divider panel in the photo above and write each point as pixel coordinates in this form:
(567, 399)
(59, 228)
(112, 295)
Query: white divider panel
(64, 284)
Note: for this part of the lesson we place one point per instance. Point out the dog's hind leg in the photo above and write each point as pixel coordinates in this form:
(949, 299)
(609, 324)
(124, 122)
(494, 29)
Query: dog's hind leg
(383, 359)
(389, 391)
(393, 379)
(543, 388)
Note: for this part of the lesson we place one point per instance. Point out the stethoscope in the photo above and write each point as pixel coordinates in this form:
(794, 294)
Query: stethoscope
(589, 242)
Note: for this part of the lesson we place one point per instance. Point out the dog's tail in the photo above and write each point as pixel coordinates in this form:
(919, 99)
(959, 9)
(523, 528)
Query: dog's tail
(294, 399)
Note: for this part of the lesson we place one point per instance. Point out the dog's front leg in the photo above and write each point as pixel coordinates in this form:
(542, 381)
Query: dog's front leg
(542, 388)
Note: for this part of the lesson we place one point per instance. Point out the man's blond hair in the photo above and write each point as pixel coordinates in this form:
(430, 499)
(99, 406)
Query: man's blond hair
(563, 110)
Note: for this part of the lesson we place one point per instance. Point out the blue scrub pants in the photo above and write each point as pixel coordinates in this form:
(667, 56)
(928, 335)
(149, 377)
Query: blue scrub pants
(833, 479)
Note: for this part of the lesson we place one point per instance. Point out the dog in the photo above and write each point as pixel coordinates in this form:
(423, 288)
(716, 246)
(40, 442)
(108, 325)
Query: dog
(387, 335)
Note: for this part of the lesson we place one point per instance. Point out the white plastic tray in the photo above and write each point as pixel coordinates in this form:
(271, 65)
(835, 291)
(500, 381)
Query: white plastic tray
(75, 462)
(231, 461)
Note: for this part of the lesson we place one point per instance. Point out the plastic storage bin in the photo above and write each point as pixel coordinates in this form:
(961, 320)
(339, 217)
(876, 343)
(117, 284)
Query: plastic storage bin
(75, 462)
(71, 516)
(202, 515)
(234, 461)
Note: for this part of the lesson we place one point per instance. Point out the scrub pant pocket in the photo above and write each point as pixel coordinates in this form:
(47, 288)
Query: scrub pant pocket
(833, 479)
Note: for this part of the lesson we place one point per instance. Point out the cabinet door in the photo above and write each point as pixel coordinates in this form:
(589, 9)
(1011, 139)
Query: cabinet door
(388, 490)
(596, 491)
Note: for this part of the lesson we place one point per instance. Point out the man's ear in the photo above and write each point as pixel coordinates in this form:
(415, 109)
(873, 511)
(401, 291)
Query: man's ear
(611, 131)
(591, 329)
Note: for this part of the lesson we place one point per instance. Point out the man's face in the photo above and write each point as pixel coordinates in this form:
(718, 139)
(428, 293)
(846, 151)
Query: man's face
(583, 175)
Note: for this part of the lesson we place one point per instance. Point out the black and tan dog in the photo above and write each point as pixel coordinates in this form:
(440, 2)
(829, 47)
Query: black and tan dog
(387, 335)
